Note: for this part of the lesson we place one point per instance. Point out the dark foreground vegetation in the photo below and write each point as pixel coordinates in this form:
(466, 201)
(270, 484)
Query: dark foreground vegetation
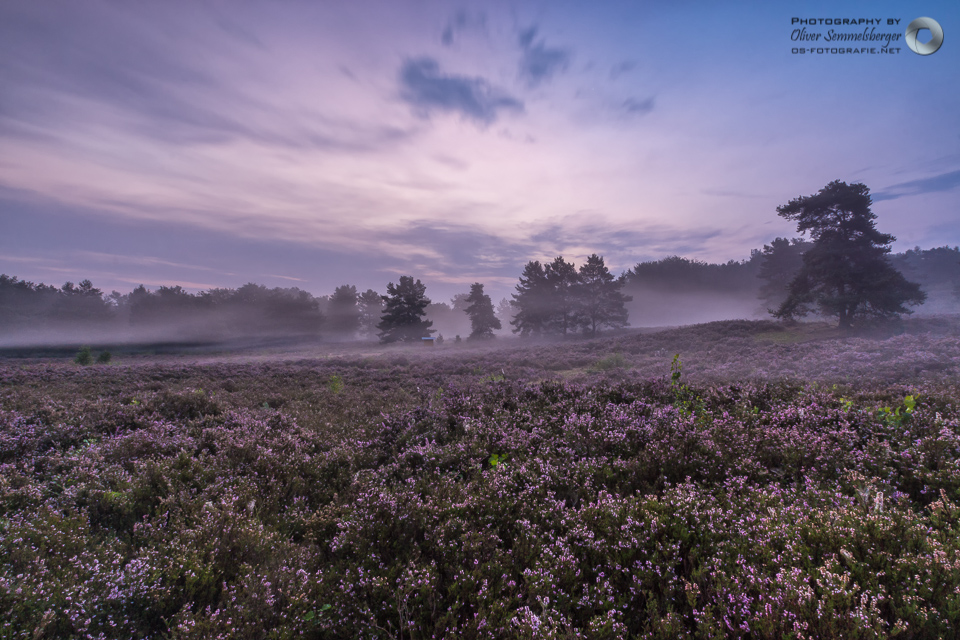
(770, 483)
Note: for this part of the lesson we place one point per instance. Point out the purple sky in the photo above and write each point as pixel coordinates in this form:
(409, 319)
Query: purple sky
(311, 144)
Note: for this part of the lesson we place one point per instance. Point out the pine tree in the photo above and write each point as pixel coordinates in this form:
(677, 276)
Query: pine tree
(343, 312)
(483, 320)
(845, 272)
(505, 310)
(780, 262)
(404, 309)
(598, 298)
(370, 306)
(531, 300)
(562, 279)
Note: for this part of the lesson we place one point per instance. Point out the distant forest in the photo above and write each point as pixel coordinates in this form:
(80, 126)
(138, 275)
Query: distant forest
(693, 291)
(670, 291)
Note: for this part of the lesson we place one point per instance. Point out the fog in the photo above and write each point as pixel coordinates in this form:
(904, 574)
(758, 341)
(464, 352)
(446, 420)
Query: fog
(553, 300)
(173, 334)
(650, 308)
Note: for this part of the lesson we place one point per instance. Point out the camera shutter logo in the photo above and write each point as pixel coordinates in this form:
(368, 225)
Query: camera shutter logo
(924, 48)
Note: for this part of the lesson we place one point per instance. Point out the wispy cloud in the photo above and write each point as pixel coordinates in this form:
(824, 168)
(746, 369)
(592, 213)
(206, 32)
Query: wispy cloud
(729, 193)
(460, 22)
(540, 63)
(427, 89)
(651, 238)
(622, 68)
(273, 275)
(144, 261)
(942, 182)
(638, 107)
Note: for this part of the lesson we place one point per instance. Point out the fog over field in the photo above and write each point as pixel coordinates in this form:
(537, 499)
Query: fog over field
(669, 292)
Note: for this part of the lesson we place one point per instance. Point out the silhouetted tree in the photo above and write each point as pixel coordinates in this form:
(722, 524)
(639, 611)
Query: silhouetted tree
(370, 306)
(404, 309)
(937, 269)
(252, 309)
(24, 303)
(845, 272)
(780, 262)
(460, 302)
(342, 311)
(599, 301)
(677, 275)
(532, 301)
(291, 310)
(483, 320)
(563, 279)
(505, 311)
(81, 303)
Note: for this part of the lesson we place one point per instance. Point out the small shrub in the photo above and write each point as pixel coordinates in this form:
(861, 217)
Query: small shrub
(83, 356)
(612, 361)
(104, 357)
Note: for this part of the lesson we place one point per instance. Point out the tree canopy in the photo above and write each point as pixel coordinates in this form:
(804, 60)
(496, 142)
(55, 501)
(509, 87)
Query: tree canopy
(403, 312)
(779, 263)
(483, 320)
(370, 307)
(343, 312)
(845, 272)
(532, 300)
(599, 300)
(558, 299)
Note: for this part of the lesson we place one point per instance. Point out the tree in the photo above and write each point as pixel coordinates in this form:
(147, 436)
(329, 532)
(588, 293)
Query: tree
(403, 312)
(483, 320)
(845, 272)
(370, 306)
(82, 303)
(779, 263)
(599, 301)
(506, 311)
(563, 279)
(460, 302)
(343, 312)
(532, 301)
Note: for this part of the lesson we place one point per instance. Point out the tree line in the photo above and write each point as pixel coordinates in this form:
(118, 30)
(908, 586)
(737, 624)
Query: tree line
(842, 270)
(558, 299)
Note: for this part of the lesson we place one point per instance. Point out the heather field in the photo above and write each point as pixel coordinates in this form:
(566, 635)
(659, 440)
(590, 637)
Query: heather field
(771, 482)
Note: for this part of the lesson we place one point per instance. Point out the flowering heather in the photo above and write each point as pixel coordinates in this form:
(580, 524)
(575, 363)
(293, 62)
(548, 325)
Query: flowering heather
(776, 488)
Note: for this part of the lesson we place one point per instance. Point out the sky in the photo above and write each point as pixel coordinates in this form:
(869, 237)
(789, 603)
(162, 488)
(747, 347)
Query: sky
(315, 144)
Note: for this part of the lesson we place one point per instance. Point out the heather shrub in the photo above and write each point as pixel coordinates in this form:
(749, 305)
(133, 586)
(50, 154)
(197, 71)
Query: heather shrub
(480, 496)
(185, 405)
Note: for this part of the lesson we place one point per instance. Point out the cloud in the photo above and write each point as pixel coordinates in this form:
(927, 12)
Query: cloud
(273, 275)
(127, 77)
(729, 193)
(942, 182)
(637, 107)
(540, 63)
(141, 260)
(460, 22)
(427, 89)
(621, 68)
